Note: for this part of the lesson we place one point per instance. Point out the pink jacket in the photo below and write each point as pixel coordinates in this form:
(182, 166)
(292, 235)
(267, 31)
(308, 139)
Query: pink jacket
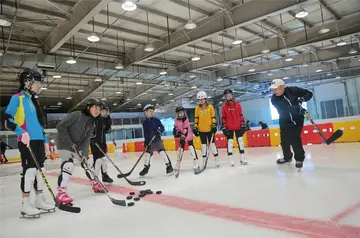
(181, 126)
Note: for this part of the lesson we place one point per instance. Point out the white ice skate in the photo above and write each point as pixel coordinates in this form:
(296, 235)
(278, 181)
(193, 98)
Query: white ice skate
(232, 163)
(42, 204)
(243, 160)
(217, 162)
(28, 210)
(195, 164)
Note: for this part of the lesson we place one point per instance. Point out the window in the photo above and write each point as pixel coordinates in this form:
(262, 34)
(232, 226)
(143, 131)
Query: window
(274, 112)
(332, 108)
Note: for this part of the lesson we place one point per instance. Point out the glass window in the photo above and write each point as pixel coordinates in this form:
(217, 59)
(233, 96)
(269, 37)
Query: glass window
(138, 133)
(274, 112)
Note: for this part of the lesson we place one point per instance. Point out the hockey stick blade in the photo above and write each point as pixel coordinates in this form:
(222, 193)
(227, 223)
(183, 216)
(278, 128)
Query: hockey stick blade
(118, 202)
(337, 134)
(68, 208)
(133, 183)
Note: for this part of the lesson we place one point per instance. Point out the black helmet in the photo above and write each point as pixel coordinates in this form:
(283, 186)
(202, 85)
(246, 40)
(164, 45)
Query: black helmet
(93, 101)
(103, 106)
(28, 77)
(227, 91)
(179, 109)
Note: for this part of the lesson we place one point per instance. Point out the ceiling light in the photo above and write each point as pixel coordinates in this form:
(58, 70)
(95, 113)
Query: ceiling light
(98, 79)
(219, 79)
(352, 51)
(104, 99)
(81, 90)
(71, 60)
(36, 96)
(114, 104)
(119, 66)
(93, 37)
(193, 87)
(338, 77)
(68, 97)
(43, 88)
(225, 64)
(190, 25)
(209, 97)
(57, 76)
(270, 74)
(301, 14)
(154, 99)
(341, 43)
(237, 42)
(192, 76)
(149, 47)
(59, 103)
(128, 99)
(118, 92)
(239, 82)
(191, 101)
(305, 65)
(220, 102)
(324, 30)
(265, 51)
(329, 74)
(163, 72)
(286, 77)
(318, 70)
(214, 89)
(167, 85)
(144, 93)
(139, 104)
(195, 58)
(288, 59)
(129, 6)
(4, 21)
(138, 83)
(170, 94)
(251, 70)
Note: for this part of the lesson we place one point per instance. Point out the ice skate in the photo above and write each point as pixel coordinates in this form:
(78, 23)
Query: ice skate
(195, 164)
(285, 160)
(106, 178)
(97, 187)
(232, 163)
(28, 210)
(299, 165)
(243, 160)
(169, 168)
(217, 162)
(145, 170)
(42, 204)
(63, 197)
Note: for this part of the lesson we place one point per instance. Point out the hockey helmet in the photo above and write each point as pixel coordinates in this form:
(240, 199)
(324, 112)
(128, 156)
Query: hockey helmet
(93, 101)
(201, 95)
(227, 91)
(148, 106)
(28, 77)
(52, 141)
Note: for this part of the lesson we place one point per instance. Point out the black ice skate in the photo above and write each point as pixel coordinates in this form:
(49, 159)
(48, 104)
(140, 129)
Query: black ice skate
(284, 160)
(106, 178)
(169, 168)
(299, 165)
(145, 170)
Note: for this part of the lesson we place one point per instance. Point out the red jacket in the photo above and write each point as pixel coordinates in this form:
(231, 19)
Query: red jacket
(232, 117)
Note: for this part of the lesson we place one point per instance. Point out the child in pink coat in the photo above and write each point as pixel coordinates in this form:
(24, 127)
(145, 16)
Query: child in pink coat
(182, 129)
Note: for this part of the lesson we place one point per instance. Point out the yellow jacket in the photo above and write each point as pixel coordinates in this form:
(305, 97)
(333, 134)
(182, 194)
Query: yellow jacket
(204, 118)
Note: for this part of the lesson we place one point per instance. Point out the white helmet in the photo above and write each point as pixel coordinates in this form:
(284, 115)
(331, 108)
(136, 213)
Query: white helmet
(201, 95)
(52, 141)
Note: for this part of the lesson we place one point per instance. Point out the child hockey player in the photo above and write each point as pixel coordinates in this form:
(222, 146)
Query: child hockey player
(23, 116)
(74, 133)
(287, 101)
(152, 126)
(205, 125)
(233, 121)
(103, 126)
(182, 129)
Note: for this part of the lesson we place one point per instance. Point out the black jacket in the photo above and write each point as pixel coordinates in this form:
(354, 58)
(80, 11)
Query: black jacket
(103, 126)
(150, 126)
(288, 107)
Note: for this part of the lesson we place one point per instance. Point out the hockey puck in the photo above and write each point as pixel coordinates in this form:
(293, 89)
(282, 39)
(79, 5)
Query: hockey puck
(143, 192)
(158, 192)
(136, 199)
(132, 193)
(130, 204)
(141, 195)
(129, 197)
(148, 191)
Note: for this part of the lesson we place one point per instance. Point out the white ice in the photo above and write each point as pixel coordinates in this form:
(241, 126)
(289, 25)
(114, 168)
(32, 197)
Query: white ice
(262, 199)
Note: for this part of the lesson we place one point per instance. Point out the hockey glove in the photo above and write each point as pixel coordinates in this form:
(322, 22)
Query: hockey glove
(213, 130)
(302, 111)
(182, 142)
(225, 132)
(196, 131)
(158, 131)
(243, 129)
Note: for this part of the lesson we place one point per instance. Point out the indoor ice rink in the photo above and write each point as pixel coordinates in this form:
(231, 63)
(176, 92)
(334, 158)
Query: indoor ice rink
(222, 65)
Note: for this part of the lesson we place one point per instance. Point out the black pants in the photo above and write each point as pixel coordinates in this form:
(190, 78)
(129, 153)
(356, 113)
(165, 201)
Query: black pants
(97, 154)
(238, 133)
(3, 155)
(182, 143)
(205, 137)
(291, 136)
(27, 162)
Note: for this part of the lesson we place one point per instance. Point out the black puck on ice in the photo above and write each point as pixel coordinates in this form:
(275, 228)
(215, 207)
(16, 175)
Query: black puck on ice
(132, 193)
(142, 195)
(158, 192)
(136, 199)
(148, 191)
(142, 191)
(129, 197)
(130, 204)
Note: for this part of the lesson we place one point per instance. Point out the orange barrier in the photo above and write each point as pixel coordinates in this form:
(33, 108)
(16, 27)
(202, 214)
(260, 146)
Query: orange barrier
(275, 136)
(310, 135)
(139, 146)
(258, 138)
(220, 141)
(130, 147)
(351, 131)
(177, 144)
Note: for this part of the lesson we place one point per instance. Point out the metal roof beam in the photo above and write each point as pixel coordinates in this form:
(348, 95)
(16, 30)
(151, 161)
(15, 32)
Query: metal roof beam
(82, 13)
(240, 15)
